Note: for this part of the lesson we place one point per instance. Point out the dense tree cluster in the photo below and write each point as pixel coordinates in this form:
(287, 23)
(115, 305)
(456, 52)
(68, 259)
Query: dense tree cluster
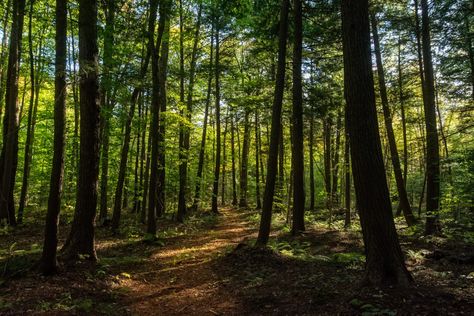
(166, 108)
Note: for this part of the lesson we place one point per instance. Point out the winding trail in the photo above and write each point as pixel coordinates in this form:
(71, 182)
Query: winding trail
(179, 279)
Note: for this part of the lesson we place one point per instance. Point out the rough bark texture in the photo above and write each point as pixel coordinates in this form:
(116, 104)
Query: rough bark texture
(244, 161)
(215, 187)
(48, 264)
(432, 145)
(81, 237)
(272, 163)
(106, 104)
(155, 110)
(297, 148)
(9, 154)
(384, 259)
(257, 160)
(311, 163)
(402, 193)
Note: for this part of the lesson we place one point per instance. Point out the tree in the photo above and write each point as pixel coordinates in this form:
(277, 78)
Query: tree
(215, 187)
(107, 103)
(48, 263)
(297, 148)
(81, 237)
(432, 145)
(9, 154)
(244, 161)
(265, 220)
(402, 193)
(384, 258)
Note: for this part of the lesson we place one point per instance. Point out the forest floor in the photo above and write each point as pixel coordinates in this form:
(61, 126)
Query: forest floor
(206, 267)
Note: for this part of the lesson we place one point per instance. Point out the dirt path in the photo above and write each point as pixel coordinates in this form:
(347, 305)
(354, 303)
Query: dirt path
(179, 277)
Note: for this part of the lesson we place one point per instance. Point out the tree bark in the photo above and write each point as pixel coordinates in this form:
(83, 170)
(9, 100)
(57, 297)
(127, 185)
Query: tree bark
(265, 221)
(106, 104)
(9, 154)
(81, 236)
(48, 263)
(384, 258)
(432, 145)
(311, 163)
(335, 162)
(215, 189)
(155, 107)
(297, 154)
(244, 162)
(232, 142)
(257, 173)
(402, 193)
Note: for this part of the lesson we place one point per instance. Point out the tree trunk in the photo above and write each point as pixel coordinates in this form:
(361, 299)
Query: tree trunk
(32, 113)
(81, 237)
(197, 194)
(244, 162)
(215, 189)
(232, 142)
(3, 54)
(224, 159)
(311, 163)
(335, 162)
(384, 258)
(48, 264)
(106, 104)
(265, 221)
(119, 189)
(163, 66)
(347, 172)
(9, 154)
(155, 107)
(402, 193)
(327, 122)
(297, 148)
(432, 145)
(257, 173)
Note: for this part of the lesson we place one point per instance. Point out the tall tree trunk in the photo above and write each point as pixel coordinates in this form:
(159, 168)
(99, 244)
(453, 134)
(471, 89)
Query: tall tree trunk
(119, 189)
(224, 159)
(327, 123)
(155, 107)
(244, 162)
(3, 53)
(32, 111)
(335, 162)
(184, 129)
(136, 181)
(232, 142)
(146, 181)
(144, 157)
(215, 189)
(81, 237)
(347, 172)
(297, 148)
(257, 152)
(402, 193)
(163, 67)
(197, 194)
(265, 221)
(9, 154)
(75, 95)
(311, 163)
(106, 104)
(432, 145)
(48, 264)
(384, 258)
